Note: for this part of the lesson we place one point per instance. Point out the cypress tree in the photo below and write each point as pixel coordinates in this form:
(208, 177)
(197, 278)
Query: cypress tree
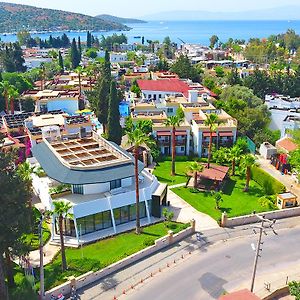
(103, 97)
(60, 61)
(74, 55)
(79, 48)
(114, 129)
(88, 40)
(106, 72)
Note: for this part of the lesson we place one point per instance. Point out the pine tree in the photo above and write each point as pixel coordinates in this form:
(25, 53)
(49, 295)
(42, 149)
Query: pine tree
(114, 129)
(88, 40)
(74, 55)
(60, 61)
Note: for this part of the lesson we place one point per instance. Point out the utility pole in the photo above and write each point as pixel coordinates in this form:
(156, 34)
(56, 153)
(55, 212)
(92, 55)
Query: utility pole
(42, 287)
(261, 228)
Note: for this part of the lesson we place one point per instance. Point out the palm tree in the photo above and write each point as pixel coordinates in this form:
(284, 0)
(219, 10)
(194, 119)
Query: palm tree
(195, 167)
(248, 161)
(137, 138)
(12, 95)
(5, 86)
(234, 154)
(212, 121)
(61, 210)
(174, 121)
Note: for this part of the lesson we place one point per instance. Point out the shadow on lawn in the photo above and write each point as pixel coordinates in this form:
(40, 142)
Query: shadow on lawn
(169, 180)
(229, 186)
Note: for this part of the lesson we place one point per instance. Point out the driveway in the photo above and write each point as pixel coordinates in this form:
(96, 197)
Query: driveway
(284, 179)
(183, 212)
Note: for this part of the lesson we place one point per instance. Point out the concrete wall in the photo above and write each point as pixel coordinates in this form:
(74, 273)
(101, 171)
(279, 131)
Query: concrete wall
(91, 277)
(97, 188)
(278, 214)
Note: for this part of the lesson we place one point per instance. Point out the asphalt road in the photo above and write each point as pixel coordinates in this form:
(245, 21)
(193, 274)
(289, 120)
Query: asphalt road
(221, 259)
(224, 266)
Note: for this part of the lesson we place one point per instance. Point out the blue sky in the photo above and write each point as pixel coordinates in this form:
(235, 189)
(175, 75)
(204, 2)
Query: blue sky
(139, 8)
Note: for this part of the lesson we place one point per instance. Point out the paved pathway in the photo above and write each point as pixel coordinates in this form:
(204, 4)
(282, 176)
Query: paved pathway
(285, 179)
(49, 253)
(184, 212)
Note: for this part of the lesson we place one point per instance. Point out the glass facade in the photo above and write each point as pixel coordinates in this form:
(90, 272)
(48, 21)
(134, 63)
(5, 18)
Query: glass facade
(68, 227)
(94, 222)
(115, 184)
(103, 220)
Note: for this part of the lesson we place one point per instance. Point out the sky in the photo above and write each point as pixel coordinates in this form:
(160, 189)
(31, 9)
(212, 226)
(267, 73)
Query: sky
(139, 8)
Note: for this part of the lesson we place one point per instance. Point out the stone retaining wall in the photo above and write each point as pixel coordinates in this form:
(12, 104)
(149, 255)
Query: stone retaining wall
(91, 277)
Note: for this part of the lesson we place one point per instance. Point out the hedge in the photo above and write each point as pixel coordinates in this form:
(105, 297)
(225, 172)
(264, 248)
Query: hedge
(270, 185)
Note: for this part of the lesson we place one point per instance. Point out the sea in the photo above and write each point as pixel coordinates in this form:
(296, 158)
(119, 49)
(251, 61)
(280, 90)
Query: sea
(187, 31)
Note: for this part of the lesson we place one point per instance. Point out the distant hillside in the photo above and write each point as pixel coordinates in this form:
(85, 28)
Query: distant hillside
(277, 13)
(16, 17)
(111, 18)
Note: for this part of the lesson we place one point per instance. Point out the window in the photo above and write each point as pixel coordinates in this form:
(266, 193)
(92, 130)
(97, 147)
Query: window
(78, 189)
(182, 149)
(98, 221)
(132, 213)
(115, 184)
(170, 110)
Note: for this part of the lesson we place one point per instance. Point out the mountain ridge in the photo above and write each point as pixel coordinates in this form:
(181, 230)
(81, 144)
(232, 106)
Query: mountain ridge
(291, 12)
(16, 17)
(120, 20)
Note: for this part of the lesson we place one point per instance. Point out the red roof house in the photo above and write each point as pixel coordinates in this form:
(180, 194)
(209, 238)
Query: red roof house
(240, 295)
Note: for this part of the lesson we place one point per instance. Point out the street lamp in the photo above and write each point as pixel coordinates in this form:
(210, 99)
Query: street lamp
(259, 243)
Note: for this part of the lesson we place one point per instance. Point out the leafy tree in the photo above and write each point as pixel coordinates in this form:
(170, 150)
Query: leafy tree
(233, 77)
(219, 71)
(248, 161)
(60, 61)
(234, 154)
(114, 129)
(168, 216)
(5, 86)
(183, 68)
(174, 121)
(195, 167)
(211, 121)
(18, 80)
(213, 41)
(79, 48)
(106, 71)
(138, 138)
(61, 211)
(218, 199)
(14, 217)
(294, 288)
(91, 53)
(23, 37)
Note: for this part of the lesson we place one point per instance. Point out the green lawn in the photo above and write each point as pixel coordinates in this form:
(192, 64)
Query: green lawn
(32, 239)
(105, 252)
(235, 201)
(163, 172)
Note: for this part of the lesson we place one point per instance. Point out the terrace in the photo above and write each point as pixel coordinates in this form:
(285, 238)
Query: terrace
(87, 153)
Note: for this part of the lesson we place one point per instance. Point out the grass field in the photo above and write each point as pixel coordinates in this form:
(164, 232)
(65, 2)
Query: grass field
(235, 201)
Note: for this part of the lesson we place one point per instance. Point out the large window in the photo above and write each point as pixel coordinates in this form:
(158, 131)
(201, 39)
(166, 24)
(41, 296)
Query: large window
(68, 227)
(78, 189)
(115, 184)
(94, 222)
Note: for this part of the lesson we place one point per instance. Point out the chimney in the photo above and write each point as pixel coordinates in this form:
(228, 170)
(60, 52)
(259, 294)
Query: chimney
(193, 96)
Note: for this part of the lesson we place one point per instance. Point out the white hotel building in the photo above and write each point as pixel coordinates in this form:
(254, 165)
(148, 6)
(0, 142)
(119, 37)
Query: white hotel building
(102, 187)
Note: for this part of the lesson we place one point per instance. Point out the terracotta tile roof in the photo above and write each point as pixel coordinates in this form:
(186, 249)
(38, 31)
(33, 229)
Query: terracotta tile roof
(287, 144)
(243, 294)
(165, 85)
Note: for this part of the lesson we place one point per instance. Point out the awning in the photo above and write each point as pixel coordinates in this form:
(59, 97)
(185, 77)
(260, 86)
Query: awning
(226, 133)
(180, 133)
(163, 133)
(207, 134)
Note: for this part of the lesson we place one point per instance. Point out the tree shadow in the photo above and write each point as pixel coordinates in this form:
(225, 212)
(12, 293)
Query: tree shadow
(225, 209)
(229, 186)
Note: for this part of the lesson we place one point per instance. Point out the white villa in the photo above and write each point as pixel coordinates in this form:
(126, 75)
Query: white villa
(100, 177)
